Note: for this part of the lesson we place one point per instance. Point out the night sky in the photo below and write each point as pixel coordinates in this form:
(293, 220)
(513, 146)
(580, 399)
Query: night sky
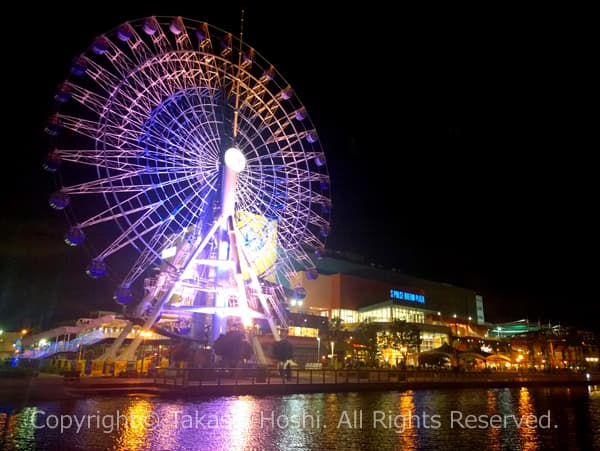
(455, 149)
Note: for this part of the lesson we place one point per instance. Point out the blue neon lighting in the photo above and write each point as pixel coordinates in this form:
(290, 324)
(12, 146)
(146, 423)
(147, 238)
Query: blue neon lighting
(406, 296)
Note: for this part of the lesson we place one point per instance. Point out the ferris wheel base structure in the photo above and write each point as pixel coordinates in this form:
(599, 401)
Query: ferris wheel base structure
(234, 277)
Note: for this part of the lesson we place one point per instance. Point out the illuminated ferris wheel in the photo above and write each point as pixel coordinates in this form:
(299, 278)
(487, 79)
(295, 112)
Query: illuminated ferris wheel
(175, 139)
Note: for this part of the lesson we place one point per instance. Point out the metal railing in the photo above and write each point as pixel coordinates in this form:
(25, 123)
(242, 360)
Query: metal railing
(268, 376)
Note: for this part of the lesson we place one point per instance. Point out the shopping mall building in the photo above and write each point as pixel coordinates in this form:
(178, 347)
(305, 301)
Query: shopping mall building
(356, 292)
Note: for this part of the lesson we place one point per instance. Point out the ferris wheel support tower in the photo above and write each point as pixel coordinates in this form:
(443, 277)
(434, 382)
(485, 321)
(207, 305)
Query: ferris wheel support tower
(231, 265)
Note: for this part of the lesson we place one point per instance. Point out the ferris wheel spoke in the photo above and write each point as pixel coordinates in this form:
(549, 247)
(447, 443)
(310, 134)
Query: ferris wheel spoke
(149, 255)
(160, 241)
(120, 61)
(117, 212)
(269, 207)
(89, 129)
(116, 184)
(136, 232)
(305, 174)
(250, 198)
(145, 230)
(172, 156)
(267, 116)
(116, 159)
(170, 127)
(143, 227)
(290, 139)
(108, 184)
(90, 99)
(259, 96)
(106, 80)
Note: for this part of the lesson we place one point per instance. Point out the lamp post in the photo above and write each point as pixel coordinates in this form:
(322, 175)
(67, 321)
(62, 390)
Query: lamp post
(23, 333)
(318, 349)
(332, 354)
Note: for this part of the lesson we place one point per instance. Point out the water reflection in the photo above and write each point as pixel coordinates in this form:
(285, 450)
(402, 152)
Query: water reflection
(529, 422)
(169, 428)
(137, 421)
(410, 420)
(18, 428)
(594, 412)
(493, 434)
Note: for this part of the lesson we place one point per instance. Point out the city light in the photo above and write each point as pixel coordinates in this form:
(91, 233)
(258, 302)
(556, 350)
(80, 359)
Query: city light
(318, 348)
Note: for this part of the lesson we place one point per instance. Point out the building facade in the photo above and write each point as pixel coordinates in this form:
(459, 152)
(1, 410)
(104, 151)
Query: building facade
(355, 292)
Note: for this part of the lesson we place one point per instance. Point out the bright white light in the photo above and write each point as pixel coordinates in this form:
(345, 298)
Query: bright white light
(169, 252)
(235, 160)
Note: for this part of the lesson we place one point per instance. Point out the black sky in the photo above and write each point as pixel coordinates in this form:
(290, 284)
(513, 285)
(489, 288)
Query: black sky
(454, 142)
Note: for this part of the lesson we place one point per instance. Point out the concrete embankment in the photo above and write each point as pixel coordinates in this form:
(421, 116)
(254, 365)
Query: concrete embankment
(44, 388)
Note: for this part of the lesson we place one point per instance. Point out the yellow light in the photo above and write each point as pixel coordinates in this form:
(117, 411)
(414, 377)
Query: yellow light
(247, 321)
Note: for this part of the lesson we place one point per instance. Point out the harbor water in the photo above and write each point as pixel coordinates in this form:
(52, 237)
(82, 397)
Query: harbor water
(540, 418)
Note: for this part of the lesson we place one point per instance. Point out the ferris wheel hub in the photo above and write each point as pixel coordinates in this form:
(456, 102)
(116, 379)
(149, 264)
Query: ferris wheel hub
(235, 159)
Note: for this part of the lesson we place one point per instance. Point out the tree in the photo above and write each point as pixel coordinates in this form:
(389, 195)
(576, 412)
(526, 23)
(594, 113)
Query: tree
(404, 337)
(181, 353)
(337, 334)
(232, 348)
(365, 335)
(283, 350)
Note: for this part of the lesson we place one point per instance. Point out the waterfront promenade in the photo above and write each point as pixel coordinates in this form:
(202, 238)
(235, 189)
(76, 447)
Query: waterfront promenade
(186, 383)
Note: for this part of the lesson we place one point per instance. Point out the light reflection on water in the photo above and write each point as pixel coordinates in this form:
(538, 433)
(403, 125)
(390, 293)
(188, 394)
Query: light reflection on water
(410, 420)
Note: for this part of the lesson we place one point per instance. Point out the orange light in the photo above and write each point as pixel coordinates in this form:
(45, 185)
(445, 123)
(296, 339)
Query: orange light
(24, 331)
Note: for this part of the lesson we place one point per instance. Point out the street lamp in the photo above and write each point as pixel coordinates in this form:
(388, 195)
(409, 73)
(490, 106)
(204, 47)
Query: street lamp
(318, 349)
(332, 354)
